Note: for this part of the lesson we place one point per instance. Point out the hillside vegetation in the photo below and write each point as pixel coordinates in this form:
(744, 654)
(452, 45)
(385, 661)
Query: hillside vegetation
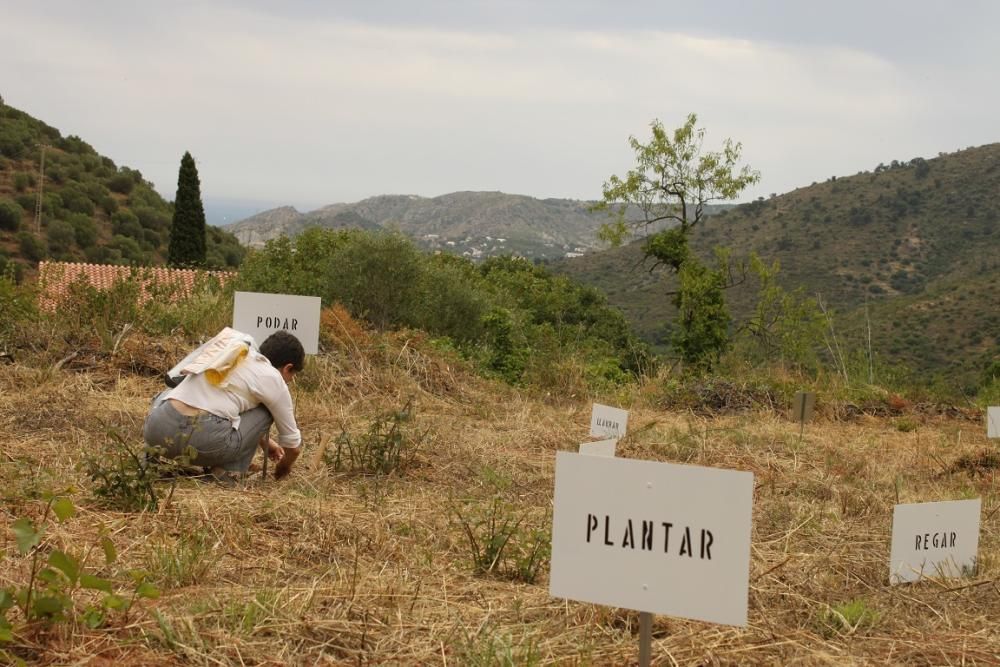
(918, 241)
(92, 209)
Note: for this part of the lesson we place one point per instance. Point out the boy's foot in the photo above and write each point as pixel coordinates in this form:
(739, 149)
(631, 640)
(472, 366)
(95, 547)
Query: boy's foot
(225, 477)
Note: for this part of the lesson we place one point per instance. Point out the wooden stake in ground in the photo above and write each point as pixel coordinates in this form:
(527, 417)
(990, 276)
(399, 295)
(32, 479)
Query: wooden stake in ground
(645, 638)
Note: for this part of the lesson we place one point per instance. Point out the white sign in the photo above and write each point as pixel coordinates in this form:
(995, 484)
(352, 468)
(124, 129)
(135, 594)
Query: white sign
(260, 315)
(993, 422)
(599, 448)
(934, 539)
(656, 537)
(608, 422)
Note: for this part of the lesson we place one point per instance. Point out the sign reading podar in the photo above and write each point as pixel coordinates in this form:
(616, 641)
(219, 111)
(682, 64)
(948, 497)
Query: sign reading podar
(934, 539)
(655, 537)
(260, 315)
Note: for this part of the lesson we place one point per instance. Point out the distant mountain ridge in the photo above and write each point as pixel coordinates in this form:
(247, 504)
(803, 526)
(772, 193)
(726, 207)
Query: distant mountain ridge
(474, 224)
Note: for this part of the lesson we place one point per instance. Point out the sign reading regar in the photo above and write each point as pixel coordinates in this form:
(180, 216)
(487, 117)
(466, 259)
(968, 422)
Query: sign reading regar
(938, 539)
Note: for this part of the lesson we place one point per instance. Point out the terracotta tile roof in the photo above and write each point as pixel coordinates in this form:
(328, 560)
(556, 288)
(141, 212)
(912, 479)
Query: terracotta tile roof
(55, 278)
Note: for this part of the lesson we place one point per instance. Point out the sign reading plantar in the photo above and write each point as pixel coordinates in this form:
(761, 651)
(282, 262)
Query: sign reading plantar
(993, 422)
(260, 315)
(655, 537)
(934, 540)
(608, 422)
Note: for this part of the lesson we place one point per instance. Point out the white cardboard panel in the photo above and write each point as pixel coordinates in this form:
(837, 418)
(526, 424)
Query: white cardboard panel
(600, 447)
(608, 422)
(260, 315)
(934, 539)
(993, 422)
(655, 537)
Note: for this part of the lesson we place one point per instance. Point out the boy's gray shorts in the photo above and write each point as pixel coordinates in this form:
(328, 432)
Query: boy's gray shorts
(217, 443)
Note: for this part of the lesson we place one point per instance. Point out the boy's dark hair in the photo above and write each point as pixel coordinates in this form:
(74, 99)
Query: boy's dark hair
(282, 348)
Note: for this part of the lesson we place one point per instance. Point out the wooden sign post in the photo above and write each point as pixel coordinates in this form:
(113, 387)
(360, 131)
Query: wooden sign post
(802, 409)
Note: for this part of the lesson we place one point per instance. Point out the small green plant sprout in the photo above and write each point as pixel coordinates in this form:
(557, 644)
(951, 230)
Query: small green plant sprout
(125, 477)
(60, 579)
(906, 425)
(487, 647)
(499, 543)
(848, 618)
(388, 445)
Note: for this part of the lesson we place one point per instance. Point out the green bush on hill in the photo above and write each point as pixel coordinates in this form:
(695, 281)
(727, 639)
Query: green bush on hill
(10, 215)
(513, 319)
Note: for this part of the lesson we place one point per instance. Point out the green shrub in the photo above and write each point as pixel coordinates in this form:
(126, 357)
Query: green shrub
(31, 247)
(61, 236)
(848, 618)
(26, 202)
(23, 180)
(152, 218)
(498, 533)
(129, 249)
(57, 581)
(77, 201)
(17, 302)
(122, 183)
(84, 230)
(10, 215)
(108, 204)
(388, 445)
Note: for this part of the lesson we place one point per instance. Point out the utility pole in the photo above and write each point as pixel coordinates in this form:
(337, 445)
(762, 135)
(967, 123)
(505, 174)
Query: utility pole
(41, 186)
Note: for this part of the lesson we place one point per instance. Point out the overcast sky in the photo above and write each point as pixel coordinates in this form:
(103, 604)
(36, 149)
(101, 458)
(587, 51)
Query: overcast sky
(311, 103)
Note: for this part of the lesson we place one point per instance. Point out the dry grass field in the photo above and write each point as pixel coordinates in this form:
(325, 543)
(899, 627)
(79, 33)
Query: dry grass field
(344, 567)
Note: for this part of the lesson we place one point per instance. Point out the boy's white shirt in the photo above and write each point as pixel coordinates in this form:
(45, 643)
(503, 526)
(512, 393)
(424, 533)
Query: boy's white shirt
(243, 381)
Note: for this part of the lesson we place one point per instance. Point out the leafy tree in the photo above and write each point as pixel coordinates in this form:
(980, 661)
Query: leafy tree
(31, 248)
(61, 237)
(10, 215)
(672, 183)
(187, 233)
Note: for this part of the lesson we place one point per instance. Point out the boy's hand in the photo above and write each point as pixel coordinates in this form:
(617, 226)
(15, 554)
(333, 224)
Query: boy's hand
(285, 465)
(275, 452)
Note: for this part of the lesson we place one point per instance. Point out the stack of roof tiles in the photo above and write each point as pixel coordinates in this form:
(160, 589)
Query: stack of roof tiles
(55, 278)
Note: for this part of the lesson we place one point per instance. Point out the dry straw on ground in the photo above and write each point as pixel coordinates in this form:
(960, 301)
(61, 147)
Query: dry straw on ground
(346, 568)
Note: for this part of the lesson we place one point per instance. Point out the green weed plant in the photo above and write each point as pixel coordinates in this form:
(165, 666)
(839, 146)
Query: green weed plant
(60, 581)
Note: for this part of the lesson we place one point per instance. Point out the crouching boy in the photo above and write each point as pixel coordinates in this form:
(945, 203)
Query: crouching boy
(226, 421)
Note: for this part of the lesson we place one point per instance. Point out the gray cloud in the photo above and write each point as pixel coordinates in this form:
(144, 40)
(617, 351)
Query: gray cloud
(310, 103)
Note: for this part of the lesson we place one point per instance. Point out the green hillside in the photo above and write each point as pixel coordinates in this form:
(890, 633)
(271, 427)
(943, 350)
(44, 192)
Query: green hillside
(918, 240)
(92, 209)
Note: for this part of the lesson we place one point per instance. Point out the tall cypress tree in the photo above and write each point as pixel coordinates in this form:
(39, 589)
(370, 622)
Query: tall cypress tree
(187, 233)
